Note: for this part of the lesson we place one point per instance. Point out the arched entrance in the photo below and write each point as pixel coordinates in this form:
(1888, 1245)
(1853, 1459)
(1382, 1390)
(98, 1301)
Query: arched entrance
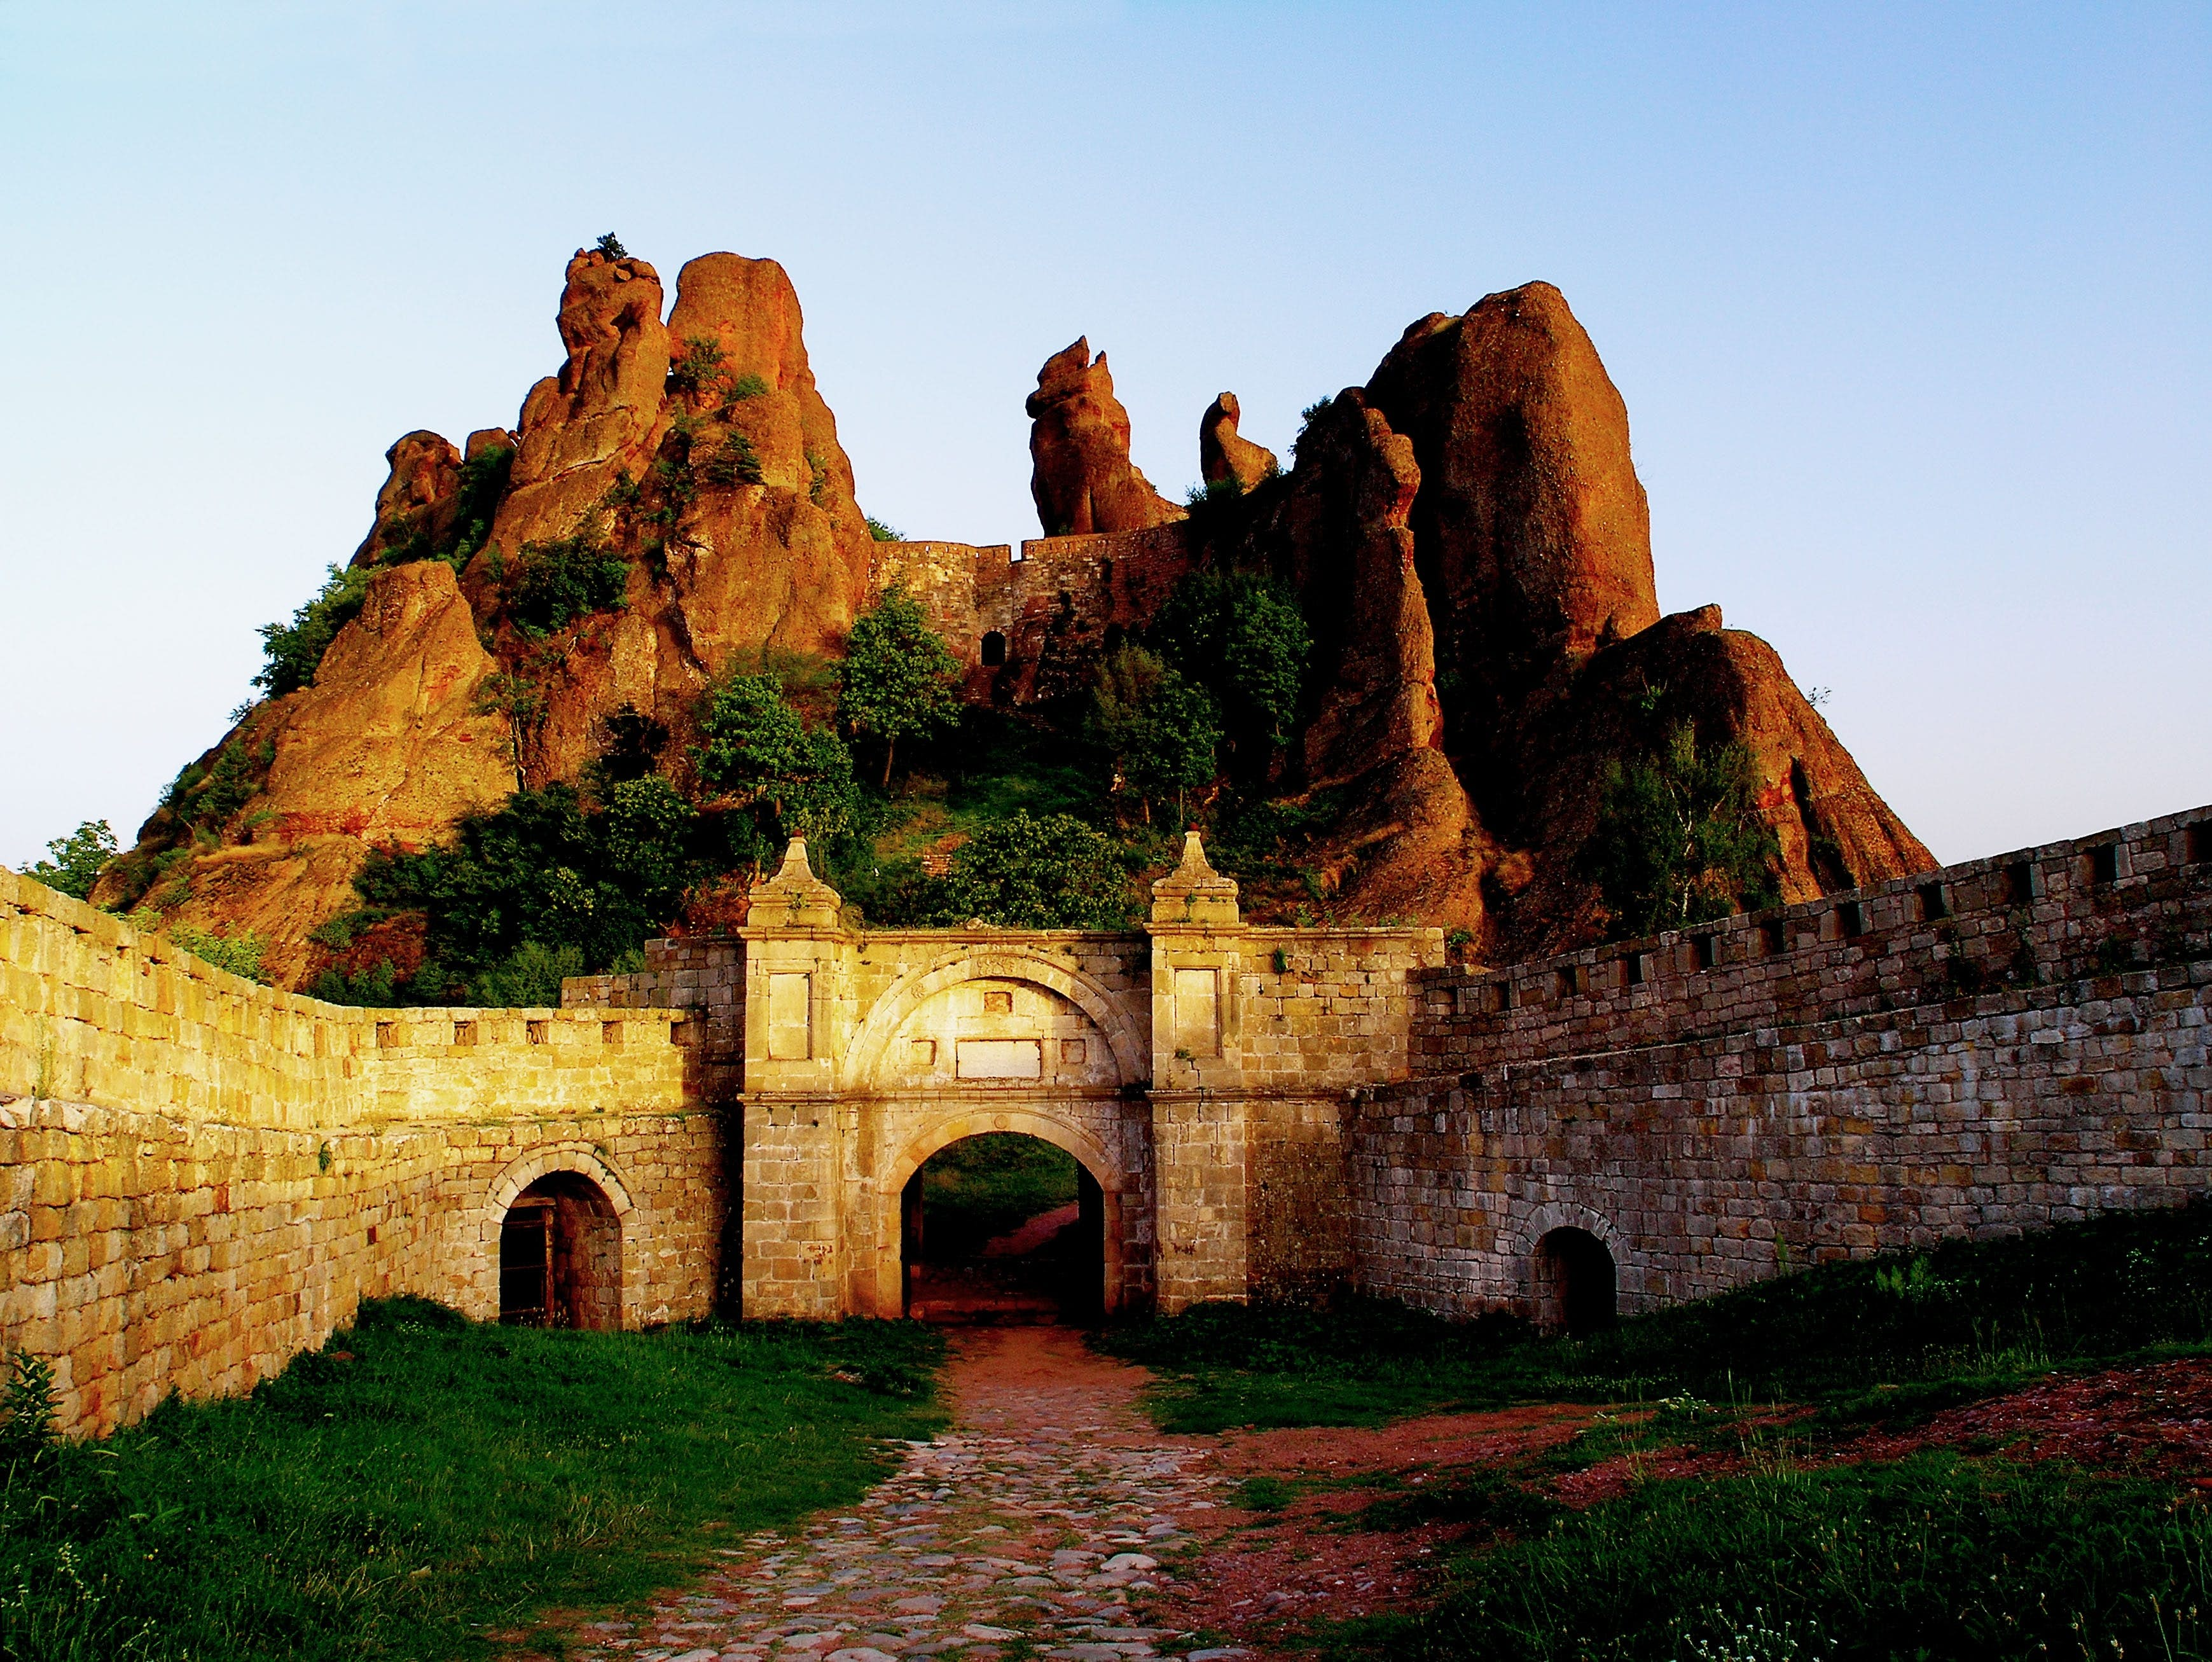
(1576, 1288)
(1000, 1227)
(560, 1256)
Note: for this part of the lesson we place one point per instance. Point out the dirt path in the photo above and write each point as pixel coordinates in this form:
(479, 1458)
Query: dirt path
(1049, 1514)
(1052, 1520)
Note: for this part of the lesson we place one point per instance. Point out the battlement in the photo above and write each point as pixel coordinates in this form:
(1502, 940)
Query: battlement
(2101, 906)
(1024, 627)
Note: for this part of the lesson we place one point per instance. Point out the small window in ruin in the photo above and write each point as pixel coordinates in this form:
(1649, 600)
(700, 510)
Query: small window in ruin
(1701, 951)
(1850, 920)
(2105, 863)
(610, 1032)
(1632, 970)
(2020, 883)
(464, 1032)
(994, 650)
(2199, 843)
(1567, 989)
(537, 1031)
(387, 1033)
(1932, 905)
(1774, 937)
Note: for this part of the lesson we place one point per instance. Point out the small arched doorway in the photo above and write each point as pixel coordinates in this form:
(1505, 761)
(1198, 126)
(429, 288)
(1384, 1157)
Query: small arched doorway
(1002, 1228)
(1576, 1289)
(994, 650)
(560, 1256)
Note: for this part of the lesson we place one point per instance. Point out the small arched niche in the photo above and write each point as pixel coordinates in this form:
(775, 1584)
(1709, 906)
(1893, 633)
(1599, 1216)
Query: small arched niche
(994, 650)
(560, 1256)
(1576, 1290)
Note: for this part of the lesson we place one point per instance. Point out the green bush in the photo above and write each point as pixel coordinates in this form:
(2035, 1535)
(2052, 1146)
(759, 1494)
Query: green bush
(734, 461)
(376, 987)
(882, 533)
(546, 871)
(240, 953)
(294, 651)
(1053, 873)
(1243, 638)
(75, 860)
(900, 681)
(556, 583)
(758, 748)
(1680, 839)
(610, 246)
(1160, 731)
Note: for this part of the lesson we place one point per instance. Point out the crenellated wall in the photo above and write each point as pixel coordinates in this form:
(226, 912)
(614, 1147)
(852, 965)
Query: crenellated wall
(1047, 610)
(1997, 1046)
(200, 1176)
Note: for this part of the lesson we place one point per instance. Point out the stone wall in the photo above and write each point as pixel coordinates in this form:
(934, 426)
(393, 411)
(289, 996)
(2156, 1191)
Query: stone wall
(1050, 609)
(200, 1176)
(2000, 1045)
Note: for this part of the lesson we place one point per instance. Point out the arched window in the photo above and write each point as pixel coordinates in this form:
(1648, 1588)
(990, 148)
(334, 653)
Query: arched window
(994, 650)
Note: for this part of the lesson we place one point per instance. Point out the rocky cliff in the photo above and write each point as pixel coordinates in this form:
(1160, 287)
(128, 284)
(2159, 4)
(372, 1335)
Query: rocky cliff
(1466, 534)
(1474, 548)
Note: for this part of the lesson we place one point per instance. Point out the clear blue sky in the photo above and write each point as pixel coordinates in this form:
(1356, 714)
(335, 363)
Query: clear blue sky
(1909, 307)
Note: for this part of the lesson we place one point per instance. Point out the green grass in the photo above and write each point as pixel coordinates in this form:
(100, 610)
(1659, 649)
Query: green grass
(451, 1480)
(1890, 1338)
(1933, 1557)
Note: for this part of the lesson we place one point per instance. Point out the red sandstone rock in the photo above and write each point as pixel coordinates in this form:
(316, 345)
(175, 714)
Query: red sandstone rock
(418, 493)
(1081, 475)
(1224, 455)
(1531, 518)
(580, 426)
(385, 746)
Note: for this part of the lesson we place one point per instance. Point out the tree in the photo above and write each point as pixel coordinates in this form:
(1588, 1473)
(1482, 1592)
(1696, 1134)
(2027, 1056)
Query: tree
(902, 681)
(1239, 635)
(1680, 839)
(1050, 873)
(759, 749)
(294, 651)
(1161, 731)
(76, 859)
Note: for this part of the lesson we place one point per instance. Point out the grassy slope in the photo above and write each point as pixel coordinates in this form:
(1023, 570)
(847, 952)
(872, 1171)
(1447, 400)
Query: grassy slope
(1784, 1550)
(452, 1477)
(1961, 1320)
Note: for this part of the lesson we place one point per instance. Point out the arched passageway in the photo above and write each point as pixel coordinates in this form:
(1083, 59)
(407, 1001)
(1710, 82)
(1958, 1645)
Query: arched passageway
(560, 1256)
(1003, 1226)
(1575, 1282)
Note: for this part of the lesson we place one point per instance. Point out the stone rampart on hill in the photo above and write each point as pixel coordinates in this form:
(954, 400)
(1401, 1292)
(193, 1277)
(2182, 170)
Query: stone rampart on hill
(1996, 1046)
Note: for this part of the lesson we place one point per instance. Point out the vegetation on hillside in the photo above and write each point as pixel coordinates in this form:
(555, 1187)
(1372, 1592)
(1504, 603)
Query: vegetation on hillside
(1680, 839)
(73, 863)
(425, 1483)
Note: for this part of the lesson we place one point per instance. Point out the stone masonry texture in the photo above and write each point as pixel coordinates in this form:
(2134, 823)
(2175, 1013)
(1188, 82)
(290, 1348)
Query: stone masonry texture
(199, 1176)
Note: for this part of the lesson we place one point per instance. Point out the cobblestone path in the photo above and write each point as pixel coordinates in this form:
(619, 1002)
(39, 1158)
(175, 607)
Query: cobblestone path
(1043, 1522)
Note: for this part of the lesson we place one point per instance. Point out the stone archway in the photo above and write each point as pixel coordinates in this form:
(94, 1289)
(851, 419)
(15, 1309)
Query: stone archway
(1570, 1263)
(965, 1120)
(606, 1278)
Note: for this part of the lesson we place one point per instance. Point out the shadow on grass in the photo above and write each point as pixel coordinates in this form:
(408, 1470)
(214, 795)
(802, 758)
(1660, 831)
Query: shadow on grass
(425, 1481)
(1889, 1339)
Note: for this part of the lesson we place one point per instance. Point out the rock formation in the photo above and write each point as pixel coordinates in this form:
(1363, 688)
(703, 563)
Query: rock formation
(1224, 455)
(1507, 558)
(1466, 534)
(1081, 475)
